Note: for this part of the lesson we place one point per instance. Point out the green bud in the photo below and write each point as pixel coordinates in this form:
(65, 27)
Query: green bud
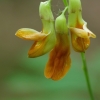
(60, 23)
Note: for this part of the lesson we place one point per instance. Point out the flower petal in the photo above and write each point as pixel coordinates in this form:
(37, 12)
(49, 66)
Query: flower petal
(79, 44)
(90, 34)
(37, 49)
(86, 33)
(59, 61)
(58, 64)
(41, 47)
(49, 70)
(30, 34)
(79, 32)
(61, 65)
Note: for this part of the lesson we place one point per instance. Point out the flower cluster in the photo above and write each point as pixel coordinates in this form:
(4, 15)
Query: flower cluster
(54, 37)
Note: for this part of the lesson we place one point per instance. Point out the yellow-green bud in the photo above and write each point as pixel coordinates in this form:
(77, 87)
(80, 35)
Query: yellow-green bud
(60, 23)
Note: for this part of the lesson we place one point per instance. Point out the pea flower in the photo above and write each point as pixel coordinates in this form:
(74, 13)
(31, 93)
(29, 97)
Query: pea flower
(59, 60)
(45, 40)
(80, 34)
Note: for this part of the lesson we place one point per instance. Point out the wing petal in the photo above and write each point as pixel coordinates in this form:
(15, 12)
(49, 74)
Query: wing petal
(30, 34)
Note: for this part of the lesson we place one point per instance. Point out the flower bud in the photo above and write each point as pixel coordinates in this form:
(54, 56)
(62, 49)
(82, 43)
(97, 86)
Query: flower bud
(61, 25)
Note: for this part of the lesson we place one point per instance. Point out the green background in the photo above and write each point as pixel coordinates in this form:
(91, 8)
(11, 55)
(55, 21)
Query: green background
(22, 78)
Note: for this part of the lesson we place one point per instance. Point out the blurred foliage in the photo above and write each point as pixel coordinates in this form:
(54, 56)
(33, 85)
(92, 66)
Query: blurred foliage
(22, 78)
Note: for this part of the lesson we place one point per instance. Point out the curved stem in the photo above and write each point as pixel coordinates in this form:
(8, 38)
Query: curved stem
(63, 12)
(86, 75)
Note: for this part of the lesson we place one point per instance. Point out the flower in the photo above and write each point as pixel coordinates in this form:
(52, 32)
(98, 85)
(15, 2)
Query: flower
(44, 40)
(59, 60)
(80, 34)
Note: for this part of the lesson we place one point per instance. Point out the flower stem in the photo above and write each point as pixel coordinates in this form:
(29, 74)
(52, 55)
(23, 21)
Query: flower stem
(64, 10)
(86, 75)
(65, 3)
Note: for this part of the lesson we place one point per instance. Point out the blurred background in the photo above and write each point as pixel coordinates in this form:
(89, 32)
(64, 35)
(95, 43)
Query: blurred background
(22, 78)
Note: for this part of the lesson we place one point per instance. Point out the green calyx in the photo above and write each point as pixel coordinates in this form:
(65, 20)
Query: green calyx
(45, 11)
(75, 13)
(61, 24)
(74, 6)
(46, 16)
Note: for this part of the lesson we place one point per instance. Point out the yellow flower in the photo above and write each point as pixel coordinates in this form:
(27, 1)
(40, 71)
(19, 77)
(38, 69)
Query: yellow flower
(80, 34)
(59, 61)
(44, 40)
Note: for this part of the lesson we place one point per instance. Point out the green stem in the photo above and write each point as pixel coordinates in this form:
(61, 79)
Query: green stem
(63, 12)
(84, 62)
(65, 3)
(86, 75)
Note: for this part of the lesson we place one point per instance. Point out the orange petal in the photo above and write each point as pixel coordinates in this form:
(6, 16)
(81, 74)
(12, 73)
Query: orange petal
(50, 65)
(79, 44)
(59, 61)
(90, 34)
(37, 49)
(41, 47)
(30, 34)
(61, 65)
